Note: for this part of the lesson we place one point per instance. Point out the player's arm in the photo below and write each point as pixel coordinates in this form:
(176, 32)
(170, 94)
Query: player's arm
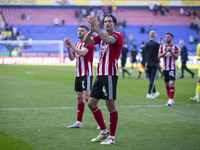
(81, 52)
(106, 38)
(162, 54)
(71, 56)
(173, 54)
(88, 37)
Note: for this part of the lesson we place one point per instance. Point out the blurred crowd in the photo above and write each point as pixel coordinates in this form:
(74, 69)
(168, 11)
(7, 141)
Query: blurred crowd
(9, 32)
(100, 13)
(159, 9)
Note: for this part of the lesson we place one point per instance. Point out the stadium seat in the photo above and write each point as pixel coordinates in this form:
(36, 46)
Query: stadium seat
(41, 24)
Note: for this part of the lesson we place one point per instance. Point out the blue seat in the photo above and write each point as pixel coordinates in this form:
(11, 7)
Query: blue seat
(50, 32)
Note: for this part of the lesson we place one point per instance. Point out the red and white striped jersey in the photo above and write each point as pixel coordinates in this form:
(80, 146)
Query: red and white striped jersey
(84, 66)
(109, 55)
(169, 62)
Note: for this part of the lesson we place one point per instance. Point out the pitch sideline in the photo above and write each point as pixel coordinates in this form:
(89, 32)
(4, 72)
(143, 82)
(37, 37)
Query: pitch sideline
(131, 106)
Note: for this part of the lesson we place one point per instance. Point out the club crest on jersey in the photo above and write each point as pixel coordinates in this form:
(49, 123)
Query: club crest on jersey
(83, 86)
(104, 91)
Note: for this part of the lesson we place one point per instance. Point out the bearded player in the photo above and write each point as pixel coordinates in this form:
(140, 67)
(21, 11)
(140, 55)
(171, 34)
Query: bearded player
(105, 85)
(84, 71)
(169, 52)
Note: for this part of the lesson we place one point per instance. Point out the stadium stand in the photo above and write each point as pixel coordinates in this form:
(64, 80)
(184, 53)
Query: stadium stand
(145, 17)
(41, 26)
(39, 16)
(132, 16)
(47, 32)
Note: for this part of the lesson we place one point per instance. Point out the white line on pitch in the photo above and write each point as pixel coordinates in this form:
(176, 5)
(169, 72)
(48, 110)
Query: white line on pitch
(131, 106)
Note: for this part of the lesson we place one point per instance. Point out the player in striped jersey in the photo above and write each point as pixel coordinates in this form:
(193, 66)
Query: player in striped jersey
(169, 52)
(196, 98)
(110, 47)
(84, 71)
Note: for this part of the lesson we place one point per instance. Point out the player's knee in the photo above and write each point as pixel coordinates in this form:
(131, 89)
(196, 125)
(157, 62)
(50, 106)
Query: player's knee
(111, 106)
(171, 83)
(112, 109)
(86, 98)
(79, 98)
(90, 105)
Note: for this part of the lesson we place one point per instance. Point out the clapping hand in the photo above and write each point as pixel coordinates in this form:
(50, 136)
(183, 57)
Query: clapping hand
(93, 22)
(169, 50)
(68, 43)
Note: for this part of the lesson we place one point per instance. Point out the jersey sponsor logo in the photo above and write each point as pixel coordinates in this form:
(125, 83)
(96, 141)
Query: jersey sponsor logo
(104, 48)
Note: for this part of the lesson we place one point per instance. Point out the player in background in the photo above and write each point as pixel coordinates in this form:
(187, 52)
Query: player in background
(84, 71)
(133, 54)
(152, 48)
(169, 52)
(196, 98)
(184, 59)
(143, 54)
(105, 85)
(123, 60)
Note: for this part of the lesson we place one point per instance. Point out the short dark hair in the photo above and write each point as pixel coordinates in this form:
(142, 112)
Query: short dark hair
(84, 26)
(142, 42)
(170, 34)
(113, 18)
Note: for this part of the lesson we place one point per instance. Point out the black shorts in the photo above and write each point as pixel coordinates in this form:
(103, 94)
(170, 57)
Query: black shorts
(169, 75)
(123, 60)
(105, 87)
(133, 55)
(83, 83)
(133, 60)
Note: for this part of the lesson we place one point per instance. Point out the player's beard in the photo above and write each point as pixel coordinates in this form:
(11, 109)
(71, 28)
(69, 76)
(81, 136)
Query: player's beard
(109, 29)
(169, 42)
(80, 36)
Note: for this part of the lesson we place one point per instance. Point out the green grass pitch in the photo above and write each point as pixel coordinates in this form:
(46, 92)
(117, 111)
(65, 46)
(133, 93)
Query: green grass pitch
(38, 102)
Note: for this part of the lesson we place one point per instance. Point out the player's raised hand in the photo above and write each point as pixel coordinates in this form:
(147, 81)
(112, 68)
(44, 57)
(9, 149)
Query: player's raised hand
(69, 42)
(66, 43)
(93, 22)
(89, 19)
(92, 29)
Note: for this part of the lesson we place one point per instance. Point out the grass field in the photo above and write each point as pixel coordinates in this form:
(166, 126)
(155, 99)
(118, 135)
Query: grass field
(38, 102)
